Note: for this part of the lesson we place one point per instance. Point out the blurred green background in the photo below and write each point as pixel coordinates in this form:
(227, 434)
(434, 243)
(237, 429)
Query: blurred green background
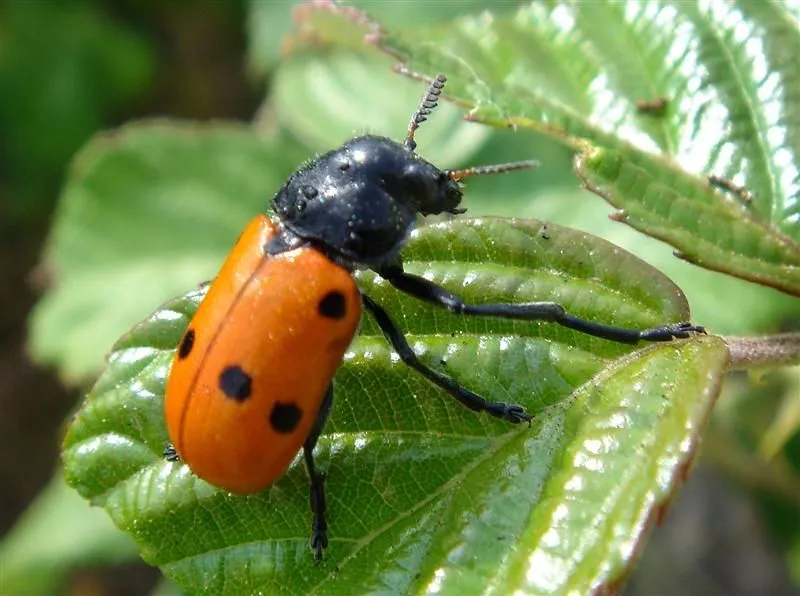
(70, 69)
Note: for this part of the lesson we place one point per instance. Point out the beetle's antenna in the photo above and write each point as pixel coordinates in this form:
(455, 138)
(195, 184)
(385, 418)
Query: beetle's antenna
(429, 101)
(499, 168)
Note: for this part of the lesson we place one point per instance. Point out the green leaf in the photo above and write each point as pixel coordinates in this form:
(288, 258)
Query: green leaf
(714, 233)
(327, 100)
(42, 548)
(167, 588)
(757, 308)
(576, 71)
(421, 491)
(266, 23)
(148, 211)
(410, 16)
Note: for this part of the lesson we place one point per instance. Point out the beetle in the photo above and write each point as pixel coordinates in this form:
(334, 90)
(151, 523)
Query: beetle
(252, 377)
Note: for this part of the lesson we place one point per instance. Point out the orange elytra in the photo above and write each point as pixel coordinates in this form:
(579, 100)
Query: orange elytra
(252, 369)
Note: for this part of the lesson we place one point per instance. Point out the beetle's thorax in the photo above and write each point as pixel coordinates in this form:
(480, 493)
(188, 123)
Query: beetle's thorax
(360, 201)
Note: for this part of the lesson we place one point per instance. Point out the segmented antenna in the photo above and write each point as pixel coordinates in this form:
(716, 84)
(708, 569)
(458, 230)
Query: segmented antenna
(499, 168)
(429, 101)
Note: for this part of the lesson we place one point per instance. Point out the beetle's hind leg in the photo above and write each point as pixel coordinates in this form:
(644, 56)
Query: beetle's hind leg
(319, 524)
(426, 290)
(509, 412)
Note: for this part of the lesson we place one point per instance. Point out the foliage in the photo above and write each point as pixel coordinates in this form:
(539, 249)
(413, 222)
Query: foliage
(64, 69)
(425, 496)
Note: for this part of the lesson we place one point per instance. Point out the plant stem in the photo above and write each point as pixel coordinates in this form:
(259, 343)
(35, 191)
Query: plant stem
(764, 352)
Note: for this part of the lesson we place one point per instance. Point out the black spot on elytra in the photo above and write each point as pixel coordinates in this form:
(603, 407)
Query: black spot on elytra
(187, 343)
(285, 417)
(235, 383)
(333, 305)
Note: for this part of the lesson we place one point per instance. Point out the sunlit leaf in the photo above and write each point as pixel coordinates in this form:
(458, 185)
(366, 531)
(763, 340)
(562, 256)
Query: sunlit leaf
(580, 72)
(416, 482)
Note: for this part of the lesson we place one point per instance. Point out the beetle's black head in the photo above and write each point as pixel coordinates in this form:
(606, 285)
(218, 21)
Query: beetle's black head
(361, 200)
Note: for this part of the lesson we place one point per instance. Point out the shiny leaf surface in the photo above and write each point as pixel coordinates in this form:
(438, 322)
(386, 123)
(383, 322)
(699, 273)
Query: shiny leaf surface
(424, 495)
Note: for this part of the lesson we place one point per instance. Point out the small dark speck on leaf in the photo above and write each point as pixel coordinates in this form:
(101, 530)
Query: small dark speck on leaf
(652, 107)
(738, 192)
(545, 235)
